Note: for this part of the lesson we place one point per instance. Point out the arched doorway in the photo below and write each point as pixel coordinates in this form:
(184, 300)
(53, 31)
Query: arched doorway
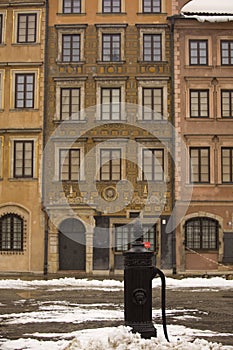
(72, 245)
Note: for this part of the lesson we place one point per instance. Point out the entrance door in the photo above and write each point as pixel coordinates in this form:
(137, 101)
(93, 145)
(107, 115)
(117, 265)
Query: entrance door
(72, 245)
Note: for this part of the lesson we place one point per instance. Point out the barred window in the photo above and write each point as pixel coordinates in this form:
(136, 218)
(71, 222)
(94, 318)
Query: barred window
(201, 233)
(11, 232)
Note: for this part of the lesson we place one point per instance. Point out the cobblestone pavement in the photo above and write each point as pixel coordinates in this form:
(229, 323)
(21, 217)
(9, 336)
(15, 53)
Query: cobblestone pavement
(203, 309)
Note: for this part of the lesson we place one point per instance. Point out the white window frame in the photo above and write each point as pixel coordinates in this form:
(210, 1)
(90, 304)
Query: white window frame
(199, 84)
(111, 29)
(35, 157)
(70, 84)
(153, 145)
(152, 31)
(60, 8)
(187, 58)
(100, 7)
(3, 38)
(14, 72)
(111, 145)
(140, 8)
(61, 145)
(110, 84)
(38, 25)
(67, 31)
(153, 84)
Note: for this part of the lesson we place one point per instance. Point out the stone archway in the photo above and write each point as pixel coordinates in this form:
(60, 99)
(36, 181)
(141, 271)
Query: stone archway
(72, 245)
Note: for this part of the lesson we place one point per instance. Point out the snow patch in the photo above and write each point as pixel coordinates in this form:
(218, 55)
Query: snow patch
(208, 6)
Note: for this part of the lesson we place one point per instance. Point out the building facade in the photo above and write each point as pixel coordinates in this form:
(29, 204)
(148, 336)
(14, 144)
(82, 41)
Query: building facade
(22, 42)
(203, 58)
(107, 141)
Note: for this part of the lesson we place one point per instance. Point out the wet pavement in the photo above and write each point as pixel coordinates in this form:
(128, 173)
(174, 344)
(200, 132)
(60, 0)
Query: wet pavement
(197, 308)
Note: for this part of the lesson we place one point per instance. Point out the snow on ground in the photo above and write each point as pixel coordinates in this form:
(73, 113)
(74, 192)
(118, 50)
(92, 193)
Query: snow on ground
(113, 285)
(117, 338)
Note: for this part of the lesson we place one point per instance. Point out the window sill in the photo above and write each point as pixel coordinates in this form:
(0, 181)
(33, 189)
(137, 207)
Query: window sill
(111, 13)
(194, 119)
(26, 44)
(151, 13)
(110, 62)
(20, 179)
(198, 66)
(151, 62)
(200, 185)
(24, 110)
(71, 14)
(83, 121)
(79, 63)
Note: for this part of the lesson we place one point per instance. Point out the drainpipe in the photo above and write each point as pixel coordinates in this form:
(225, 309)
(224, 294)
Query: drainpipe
(173, 140)
(44, 135)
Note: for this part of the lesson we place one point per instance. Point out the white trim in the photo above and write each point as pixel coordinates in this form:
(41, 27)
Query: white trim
(2, 90)
(110, 30)
(153, 31)
(15, 26)
(1, 156)
(4, 17)
(35, 155)
(70, 31)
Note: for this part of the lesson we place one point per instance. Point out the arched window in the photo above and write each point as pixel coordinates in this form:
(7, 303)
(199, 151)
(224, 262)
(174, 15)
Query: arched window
(201, 233)
(11, 232)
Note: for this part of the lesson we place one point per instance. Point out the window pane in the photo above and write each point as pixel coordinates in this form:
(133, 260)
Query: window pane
(71, 6)
(11, 232)
(26, 32)
(111, 6)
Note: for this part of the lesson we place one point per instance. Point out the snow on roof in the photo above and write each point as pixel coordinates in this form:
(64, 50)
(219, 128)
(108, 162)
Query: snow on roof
(208, 7)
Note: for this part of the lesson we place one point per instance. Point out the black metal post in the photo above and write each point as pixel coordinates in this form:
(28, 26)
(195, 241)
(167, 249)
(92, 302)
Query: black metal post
(138, 275)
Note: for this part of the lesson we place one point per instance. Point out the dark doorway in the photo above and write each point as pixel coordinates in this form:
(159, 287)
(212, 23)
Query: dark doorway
(72, 245)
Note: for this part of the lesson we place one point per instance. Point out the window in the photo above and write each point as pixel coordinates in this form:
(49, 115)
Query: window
(111, 6)
(153, 164)
(110, 104)
(110, 164)
(111, 47)
(198, 52)
(1, 28)
(199, 103)
(226, 52)
(24, 90)
(199, 165)
(70, 48)
(71, 6)
(201, 233)
(11, 232)
(152, 100)
(152, 47)
(70, 103)
(23, 159)
(69, 164)
(151, 6)
(227, 103)
(27, 26)
(227, 165)
(124, 236)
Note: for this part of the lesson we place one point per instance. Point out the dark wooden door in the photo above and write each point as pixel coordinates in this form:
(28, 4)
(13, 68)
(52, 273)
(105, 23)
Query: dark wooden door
(72, 245)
